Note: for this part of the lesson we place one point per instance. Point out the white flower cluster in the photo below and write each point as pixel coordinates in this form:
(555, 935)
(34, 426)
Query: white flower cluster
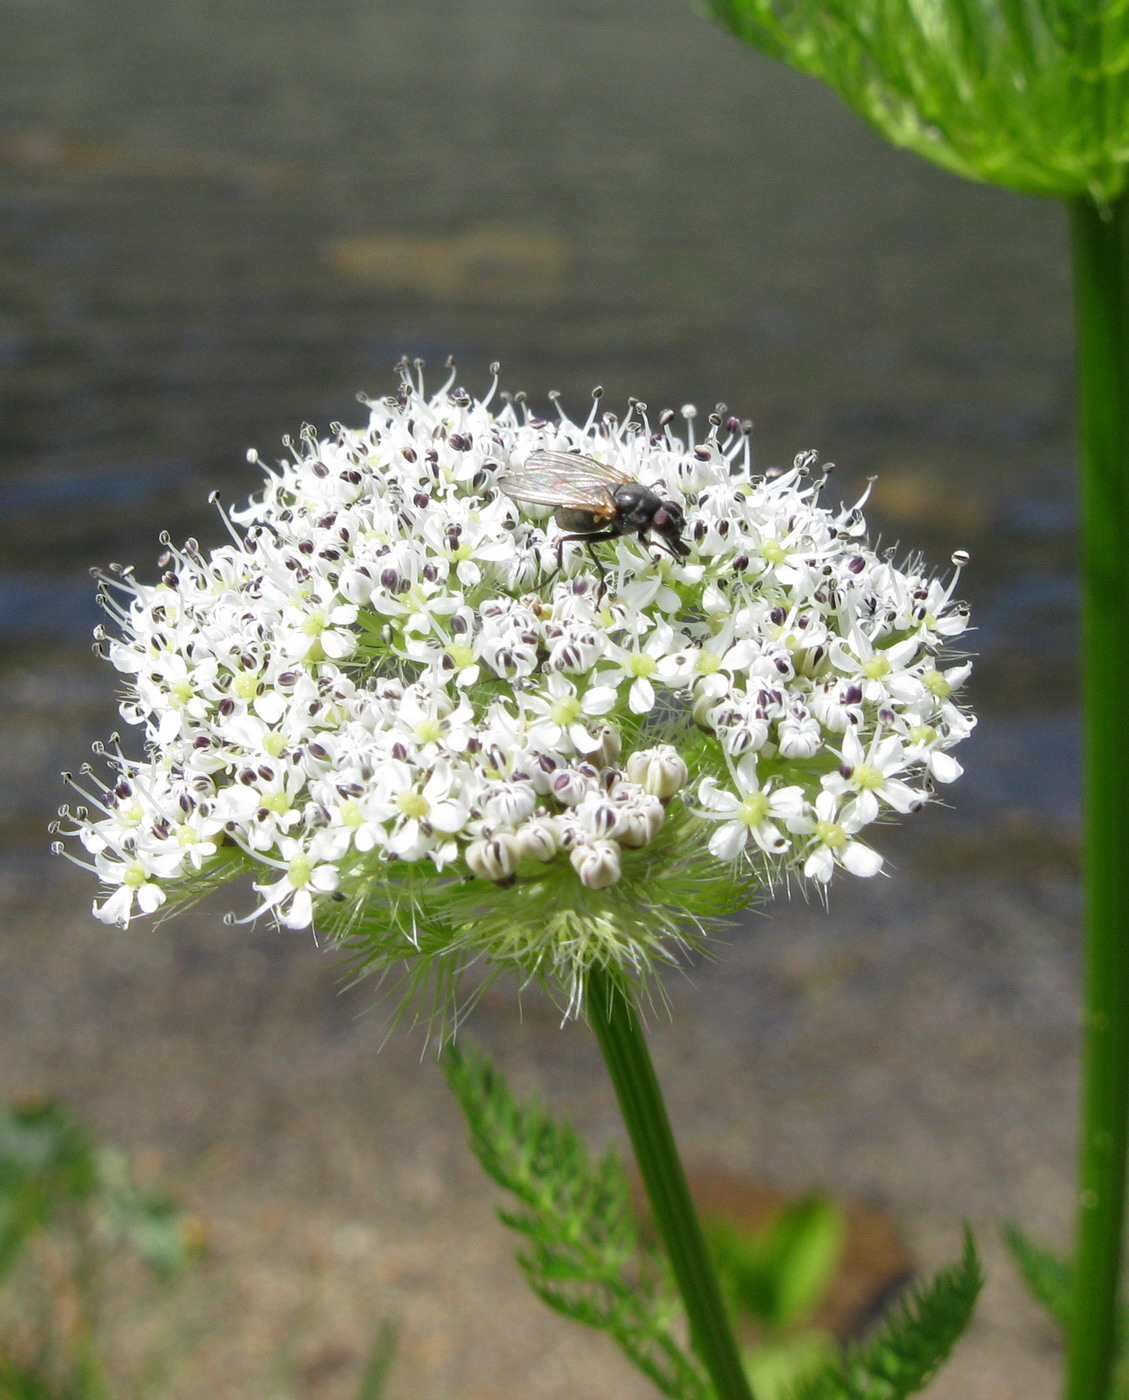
(401, 682)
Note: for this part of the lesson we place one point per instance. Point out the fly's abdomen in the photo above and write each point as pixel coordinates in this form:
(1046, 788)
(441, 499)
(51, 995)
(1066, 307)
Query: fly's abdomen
(580, 522)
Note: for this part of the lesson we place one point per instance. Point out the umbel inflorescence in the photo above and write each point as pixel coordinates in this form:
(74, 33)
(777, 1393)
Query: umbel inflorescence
(428, 724)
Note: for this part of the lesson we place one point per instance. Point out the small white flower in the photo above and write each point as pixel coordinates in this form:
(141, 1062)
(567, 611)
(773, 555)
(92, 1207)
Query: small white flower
(752, 813)
(831, 831)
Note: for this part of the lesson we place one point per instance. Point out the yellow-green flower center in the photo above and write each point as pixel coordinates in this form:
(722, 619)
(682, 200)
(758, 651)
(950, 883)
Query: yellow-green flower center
(867, 777)
(772, 552)
(708, 662)
(640, 664)
(277, 802)
(937, 685)
(428, 731)
(350, 813)
(134, 876)
(830, 834)
(299, 870)
(753, 809)
(245, 686)
(875, 667)
(413, 804)
(565, 710)
(274, 742)
(315, 624)
(461, 655)
(922, 734)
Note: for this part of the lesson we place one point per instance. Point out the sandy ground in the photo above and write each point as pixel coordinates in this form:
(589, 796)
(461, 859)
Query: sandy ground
(914, 1048)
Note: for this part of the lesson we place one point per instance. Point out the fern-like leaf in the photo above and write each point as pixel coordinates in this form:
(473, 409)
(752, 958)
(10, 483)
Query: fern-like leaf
(910, 1346)
(1050, 1281)
(584, 1254)
(1049, 1278)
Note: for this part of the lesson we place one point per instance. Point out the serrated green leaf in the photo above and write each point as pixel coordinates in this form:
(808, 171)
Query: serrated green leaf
(1050, 1281)
(1049, 1278)
(910, 1346)
(584, 1254)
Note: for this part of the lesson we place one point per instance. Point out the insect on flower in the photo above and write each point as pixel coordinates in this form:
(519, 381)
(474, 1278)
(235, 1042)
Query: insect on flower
(595, 501)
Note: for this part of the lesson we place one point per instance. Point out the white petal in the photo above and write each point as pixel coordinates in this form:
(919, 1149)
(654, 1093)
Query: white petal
(944, 767)
(150, 897)
(641, 697)
(819, 865)
(599, 700)
(860, 860)
(728, 841)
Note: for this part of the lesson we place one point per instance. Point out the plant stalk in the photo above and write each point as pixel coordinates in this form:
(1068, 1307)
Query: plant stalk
(1101, 284)
(615, 1021)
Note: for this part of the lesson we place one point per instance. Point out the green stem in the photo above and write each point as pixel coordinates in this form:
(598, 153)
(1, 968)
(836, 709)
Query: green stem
(619, 1031)
(1101, 278)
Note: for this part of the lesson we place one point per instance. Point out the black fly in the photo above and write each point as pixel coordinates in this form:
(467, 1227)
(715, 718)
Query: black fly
(594, 501)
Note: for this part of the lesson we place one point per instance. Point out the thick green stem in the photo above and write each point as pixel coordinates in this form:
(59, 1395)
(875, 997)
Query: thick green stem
(1101, 277)
(619, 1031)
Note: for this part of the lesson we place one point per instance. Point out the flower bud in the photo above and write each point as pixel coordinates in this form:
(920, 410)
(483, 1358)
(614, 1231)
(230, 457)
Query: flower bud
(639, 824)
(570, 787)
(598, 816)
(538, 839)
(799, 736)
(660, 772)
(510, 804)
(609, 746)
(495, 858)
(597, 864)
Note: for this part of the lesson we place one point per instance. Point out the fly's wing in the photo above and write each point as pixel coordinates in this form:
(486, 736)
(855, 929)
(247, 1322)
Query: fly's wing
(565, 479)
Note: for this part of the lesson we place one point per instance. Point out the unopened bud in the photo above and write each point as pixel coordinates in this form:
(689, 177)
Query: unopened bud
(597, 864)
(570, 787)
(496, 858)
(640, 824)
(538, 839)
(609, 746)
(660, 772)
(511, 804)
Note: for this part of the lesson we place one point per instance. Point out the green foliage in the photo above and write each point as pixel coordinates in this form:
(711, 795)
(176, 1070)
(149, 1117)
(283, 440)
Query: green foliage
(774, 1278)
(67, 1208)
(375, 1376)
(149, 1222)
(1049, 1278)
(46, 1162)
(778, 1275)
(775, 1368)
(26, 1383)
(1050, 1281)
(1029, 94)
(910, 1346)
(584, 1253)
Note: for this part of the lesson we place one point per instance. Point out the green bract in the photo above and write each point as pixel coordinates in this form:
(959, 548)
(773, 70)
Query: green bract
(1029, 94)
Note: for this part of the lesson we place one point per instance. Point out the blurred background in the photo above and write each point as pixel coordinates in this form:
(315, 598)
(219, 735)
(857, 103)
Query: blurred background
(221, 221)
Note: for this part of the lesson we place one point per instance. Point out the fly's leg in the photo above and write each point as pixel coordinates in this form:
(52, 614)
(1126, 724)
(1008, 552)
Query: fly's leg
(589, 538)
